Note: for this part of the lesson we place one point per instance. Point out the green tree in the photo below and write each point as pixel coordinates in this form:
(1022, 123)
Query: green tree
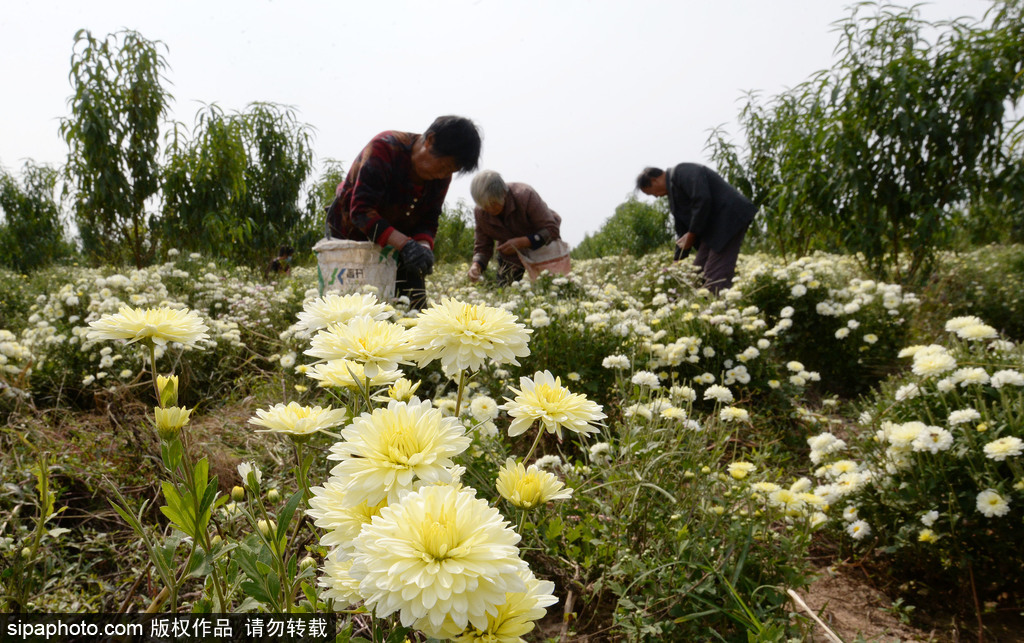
(32, 231)
(280, 158)
(113, 142)
(456, 234)
(636, 228)
(232, 188)
(874, 156)
(203, 179)
(318, 198)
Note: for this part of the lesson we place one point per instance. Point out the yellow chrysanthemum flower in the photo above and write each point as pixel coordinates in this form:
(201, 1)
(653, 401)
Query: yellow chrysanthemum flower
(168, 388)
(342, 521)
(441, 557)
(740, 470)
(467, 336)
(297, 420)
(345, 373)
(515, 617)
(150, 325)
(386, 451)
(334, 308)
(377, 345)
(403, 390)
(169, 420)
(528, 488)
(544, 398)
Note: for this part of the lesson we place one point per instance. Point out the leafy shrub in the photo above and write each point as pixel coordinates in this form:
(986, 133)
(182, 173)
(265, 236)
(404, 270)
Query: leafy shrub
(636, 228)
(932, 473)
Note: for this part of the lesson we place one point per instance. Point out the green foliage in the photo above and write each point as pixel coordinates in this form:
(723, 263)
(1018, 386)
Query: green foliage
(113, 143)
(232, 189)
(32, 231)
(637, 228)
(929, 441)
(455, 234)
(872, 156)
(987, 282)
(318, 198)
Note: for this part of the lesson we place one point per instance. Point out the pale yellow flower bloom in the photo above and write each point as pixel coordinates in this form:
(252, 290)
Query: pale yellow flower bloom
(515, 617)
(156, 325)
(467, 336)
(544, 398)
(386, 451)
(298, 420)
(740, 470)
(377, 345)
(169, 420)
(529, 487)
(442, 558)
(341, 521)
(333, 308)
(346, 373)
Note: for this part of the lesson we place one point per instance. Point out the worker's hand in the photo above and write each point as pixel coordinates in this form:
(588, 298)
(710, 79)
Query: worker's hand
(686, 241)
(510, 246)
(417, 257)
(474, 273)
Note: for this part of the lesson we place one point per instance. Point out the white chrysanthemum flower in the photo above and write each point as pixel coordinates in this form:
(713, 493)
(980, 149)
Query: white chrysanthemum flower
(870, 338)
(1003, 448)
(733, 414)
(932, 360)
(907, 392)
(975, 332)
(334, 308)
(718, 393)
(466, 336)
(341, 521)
(297, 420)
(156, 325)
(441, 558)
(842, 333)
(338, 583)
(956, 323)
(549, 462)
(618, 362)
(529, 487)
(850, 513)
(1006, 377)
(600, 453)
(795, 366)
(483, 408)
(544, 398)
(932, 439)
(991, 504)
(683, 393)
(349, 374)
(963, 416)
(245, 468)
(929, 518)
(858, 529)
(903, 435)
(377, 345)
(515, 617)
(646, 378)
(972, 375)
(386, 451)
(287, 360)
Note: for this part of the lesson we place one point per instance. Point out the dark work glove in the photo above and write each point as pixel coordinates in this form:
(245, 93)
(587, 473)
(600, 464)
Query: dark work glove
(417, 257)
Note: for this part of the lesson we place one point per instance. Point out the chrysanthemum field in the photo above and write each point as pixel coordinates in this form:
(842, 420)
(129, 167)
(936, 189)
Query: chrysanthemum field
(609, 455)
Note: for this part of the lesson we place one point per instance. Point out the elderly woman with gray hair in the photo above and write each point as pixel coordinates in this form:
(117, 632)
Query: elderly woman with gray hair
(512, 215)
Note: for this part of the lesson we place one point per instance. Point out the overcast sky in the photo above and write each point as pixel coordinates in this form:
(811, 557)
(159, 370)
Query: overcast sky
(572, 97)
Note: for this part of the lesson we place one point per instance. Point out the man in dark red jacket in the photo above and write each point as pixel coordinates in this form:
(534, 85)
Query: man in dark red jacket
(393, 195)
(709, 214)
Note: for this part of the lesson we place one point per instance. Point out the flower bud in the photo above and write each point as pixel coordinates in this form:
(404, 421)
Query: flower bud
(168, 388)
(170, 420)
(237, 493)
(26, 553)
(307, 563)
(216, 540)
(267, 528)
(273, 495)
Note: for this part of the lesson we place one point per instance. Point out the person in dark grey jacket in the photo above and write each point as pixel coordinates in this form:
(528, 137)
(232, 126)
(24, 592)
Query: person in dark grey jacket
(709, 214)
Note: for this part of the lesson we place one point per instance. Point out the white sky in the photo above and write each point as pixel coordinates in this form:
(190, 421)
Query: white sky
(574, 97)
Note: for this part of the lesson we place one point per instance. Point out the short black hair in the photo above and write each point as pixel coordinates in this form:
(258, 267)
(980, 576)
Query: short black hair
(647, 177)
(457, 137)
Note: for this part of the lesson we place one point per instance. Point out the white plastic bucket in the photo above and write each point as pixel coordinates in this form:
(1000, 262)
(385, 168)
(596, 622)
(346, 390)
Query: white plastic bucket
(347, 266)
(553, 257)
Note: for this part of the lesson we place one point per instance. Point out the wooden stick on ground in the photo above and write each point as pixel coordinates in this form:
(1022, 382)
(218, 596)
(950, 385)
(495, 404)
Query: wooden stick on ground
(800, 603)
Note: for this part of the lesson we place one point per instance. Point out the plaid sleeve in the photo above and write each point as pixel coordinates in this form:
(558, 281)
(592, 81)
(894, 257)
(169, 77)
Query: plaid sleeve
(370, 188)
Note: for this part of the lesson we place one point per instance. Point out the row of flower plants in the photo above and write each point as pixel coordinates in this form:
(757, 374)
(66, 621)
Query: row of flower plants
(615, 448)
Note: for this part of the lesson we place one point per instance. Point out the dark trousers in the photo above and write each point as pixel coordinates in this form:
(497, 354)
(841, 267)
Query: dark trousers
(719, 268)
(509, 272)
(413, 285)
